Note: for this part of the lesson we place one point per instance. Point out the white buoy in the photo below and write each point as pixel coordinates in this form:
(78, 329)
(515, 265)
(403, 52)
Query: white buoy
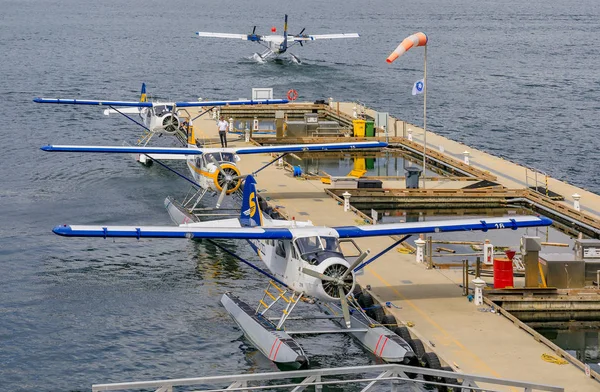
(479, 285)
(576, 197)
(346, 201)
(420, 250)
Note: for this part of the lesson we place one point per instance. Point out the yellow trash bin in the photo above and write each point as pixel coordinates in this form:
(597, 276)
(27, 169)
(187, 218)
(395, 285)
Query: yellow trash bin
(359, 128)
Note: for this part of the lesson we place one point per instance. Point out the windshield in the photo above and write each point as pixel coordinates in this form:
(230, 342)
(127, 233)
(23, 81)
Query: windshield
(316, 249)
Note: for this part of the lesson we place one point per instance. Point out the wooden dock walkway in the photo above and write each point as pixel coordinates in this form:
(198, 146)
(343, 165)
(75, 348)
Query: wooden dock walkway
(469, 340)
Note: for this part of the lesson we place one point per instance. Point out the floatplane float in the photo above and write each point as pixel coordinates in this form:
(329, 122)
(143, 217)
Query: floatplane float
(304, 263)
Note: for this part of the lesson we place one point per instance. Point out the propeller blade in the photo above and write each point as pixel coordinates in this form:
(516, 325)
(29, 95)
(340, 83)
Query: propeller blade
(217, 164)
(356, 263)
(318, 275)
(240, 177)
(254, 30)
(345, 310)
(300, 33)
(222, 195)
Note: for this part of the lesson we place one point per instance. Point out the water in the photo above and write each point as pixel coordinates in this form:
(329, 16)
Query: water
(517, 79)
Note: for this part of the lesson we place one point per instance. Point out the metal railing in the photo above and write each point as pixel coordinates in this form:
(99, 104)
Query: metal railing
(371, 378)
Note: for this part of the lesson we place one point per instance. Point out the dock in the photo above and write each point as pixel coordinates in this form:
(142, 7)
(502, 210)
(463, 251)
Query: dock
(467, 339)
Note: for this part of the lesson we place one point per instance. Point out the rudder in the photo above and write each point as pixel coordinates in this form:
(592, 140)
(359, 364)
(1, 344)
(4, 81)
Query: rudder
(250, 214)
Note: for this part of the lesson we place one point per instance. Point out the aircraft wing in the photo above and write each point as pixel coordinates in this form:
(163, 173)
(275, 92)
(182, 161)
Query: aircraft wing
(222, 35)
(443, 226)
(284, 233)
(302, 38)
(151, 104)
(199, 151)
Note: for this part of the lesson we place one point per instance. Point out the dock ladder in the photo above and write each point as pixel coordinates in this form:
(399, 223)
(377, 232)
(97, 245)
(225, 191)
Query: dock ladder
(274, 297)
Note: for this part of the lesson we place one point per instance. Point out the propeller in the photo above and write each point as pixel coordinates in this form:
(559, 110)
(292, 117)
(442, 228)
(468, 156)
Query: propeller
(170, 123)
(254, 30)
(334, 277)
(228, 179)
(300, 35)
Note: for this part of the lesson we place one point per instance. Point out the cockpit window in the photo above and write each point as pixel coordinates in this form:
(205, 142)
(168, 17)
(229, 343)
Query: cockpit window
(227, 157)
(160, 110)
(316, 249)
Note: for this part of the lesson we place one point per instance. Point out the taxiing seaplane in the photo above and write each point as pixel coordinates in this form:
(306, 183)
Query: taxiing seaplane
(277, 45)
(305, 263)
(157, 118)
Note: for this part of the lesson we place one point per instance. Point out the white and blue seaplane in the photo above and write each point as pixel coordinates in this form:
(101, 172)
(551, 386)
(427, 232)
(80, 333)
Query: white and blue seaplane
(157, 118)
(277, 44)
(305, 263)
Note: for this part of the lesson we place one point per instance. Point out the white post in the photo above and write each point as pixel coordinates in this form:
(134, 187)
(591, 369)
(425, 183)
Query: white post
(331, 102)
(354, 113)
(410, 134)
(280, 162)
(247, 135)
(346, 201)
(255, 124)
(230, 124)
(576, 197)
(214, 113)
(420, 250)
(479, 285)
(488, 253)
(466, 159)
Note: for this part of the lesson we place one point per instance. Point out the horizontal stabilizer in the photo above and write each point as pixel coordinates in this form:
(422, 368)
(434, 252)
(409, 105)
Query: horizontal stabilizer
(261, 232)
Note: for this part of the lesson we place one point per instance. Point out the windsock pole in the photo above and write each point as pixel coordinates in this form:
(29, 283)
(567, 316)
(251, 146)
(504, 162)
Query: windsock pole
(417, 39)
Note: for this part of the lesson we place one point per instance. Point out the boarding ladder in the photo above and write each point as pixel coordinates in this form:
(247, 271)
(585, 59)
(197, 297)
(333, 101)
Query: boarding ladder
(273, 297)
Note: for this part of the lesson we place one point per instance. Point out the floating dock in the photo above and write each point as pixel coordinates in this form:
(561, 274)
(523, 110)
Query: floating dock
(470, 341)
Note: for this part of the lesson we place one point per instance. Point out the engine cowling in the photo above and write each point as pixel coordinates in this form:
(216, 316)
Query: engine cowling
(225, 175)
(334, 267)
(170, 123)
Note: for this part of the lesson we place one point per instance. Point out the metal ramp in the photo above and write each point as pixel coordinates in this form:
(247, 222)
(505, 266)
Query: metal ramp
(370, 378)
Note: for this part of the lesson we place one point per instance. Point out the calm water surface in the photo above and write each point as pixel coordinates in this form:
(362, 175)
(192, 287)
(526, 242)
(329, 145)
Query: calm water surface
(517, 79)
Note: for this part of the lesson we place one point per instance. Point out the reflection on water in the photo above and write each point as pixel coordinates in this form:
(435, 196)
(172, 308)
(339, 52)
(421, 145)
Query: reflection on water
(340, 164)
(583, 344)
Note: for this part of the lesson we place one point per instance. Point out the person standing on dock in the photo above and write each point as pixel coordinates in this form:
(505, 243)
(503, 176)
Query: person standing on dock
(223, 125)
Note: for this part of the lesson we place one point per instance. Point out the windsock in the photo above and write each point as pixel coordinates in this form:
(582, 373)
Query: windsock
(417, 39)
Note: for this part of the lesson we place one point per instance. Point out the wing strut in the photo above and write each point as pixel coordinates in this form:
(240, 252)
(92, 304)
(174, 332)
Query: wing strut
(270, 163)
(123, 114)
(250, 264)
(174, 171)
(378, 255)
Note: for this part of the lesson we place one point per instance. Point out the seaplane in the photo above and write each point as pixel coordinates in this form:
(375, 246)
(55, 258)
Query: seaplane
(276, 45)
(304, 263)
(157, 118)
(212, 169)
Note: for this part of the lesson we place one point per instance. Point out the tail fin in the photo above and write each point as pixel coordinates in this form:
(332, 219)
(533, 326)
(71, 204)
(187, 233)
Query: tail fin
(143, 97)
(284, 45)
(251, 214)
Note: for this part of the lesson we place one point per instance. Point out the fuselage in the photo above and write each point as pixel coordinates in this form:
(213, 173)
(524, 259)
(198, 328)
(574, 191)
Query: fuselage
(319, 251)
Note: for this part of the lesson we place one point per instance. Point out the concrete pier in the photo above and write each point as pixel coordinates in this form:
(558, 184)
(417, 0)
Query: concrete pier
(470, 340)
